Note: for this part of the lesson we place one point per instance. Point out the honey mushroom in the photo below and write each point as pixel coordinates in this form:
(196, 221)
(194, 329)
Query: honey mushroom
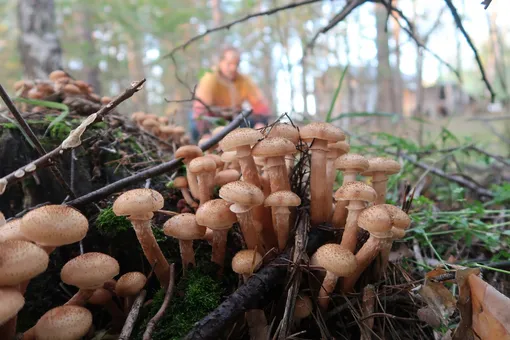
(400, 223)
(335, 150)
(230, 161)
(103, 297)
(280, 201)
(181, 183)
(226, 176)
(11, 231)
(319, 135)
(290, 133)
(379, 169)
(66, 322)
(184, 227)
(12, 302)
(204, 168)
(128, 287)
(188, 153)
(303, 307)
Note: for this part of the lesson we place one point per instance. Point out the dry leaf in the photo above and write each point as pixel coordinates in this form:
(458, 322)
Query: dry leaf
(439, 299)
(464, 331)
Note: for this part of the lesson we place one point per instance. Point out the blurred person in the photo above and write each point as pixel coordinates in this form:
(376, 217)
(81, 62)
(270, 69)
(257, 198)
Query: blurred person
(226, 89)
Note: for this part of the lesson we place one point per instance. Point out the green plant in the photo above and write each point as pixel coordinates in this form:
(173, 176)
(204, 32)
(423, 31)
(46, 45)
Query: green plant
(109, 224)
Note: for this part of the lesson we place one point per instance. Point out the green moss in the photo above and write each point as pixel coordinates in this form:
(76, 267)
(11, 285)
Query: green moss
(109, 224)
(194, 297)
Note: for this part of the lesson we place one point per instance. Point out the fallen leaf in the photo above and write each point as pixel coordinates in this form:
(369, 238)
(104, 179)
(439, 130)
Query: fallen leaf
(439, 299)
(464, 331)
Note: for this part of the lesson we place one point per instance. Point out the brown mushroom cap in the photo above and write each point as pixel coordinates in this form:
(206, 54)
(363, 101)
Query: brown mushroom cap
(216, 215)
(216, 158)
(130, 284)
(341, 147)
(202, 164)
(240, 137)
(321, 130)
(68, 322)
(387, 166)
(356, 191)
(273, 147)
(54, 225)
(12, 231)
(228, 156)
(286, 131)
(138, 202)
(335, 259)
(397, 233)
(90, 270)
(100, 297)
(12, 302)
(180, 182)
(188, 152)
(225, 176)
(399, 218)
(352, 162)
(184, 227)
(282, 198)
(375, 219)
(57, 74)
(242, 193)
(21, 261)
(303, 307)
(246, 261)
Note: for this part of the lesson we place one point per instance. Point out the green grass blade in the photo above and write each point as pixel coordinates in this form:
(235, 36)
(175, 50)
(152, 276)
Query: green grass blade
(52, 105)
(364, 114)
(15, 122)
(335, 96)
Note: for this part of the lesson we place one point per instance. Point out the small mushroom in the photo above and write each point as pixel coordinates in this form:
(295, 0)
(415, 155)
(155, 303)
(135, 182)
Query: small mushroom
(2, 219)
(230, 160)
(139, 206)
(103, 297)
(377, 221)
(319, 135)
(11, 231)
(290, 133)
(338, 262)
(182, 183)
(226, 176)
(216, 215)
(21, 261)
(280, 201)
(12, 302)
(204, 168)
(88, 272)
(379, 169)
(335, 150)
(358, 194)
(128, 286)
(188, 153)
(185, 228)
(245, 197)
(66, 322)
(351, 165)
(400, 223)
(303, 307)
(217, 159)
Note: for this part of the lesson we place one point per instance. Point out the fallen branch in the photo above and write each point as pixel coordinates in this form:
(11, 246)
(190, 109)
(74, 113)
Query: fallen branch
(155, 171)
(72, 141)
(125, 334)
(147, 335)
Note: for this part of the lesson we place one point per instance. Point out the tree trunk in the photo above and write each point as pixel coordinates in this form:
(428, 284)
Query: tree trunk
(216, 12)
(304, 88)
(398, 88)
(136, 71)
(38, 42)
(384, 81)
(91, 67)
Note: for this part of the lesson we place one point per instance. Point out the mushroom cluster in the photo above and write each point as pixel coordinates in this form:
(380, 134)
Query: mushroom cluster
(161, 126)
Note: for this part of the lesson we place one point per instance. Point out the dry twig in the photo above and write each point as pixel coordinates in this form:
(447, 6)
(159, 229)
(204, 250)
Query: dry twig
(125, 334)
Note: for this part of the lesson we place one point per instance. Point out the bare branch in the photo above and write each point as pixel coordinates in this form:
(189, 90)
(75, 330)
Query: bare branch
(133, 315)
(458, 21)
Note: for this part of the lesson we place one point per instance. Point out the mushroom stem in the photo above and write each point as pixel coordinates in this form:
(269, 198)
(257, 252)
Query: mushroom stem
(249, 229)
(328, 285)
(8, 329)
(219, 244)
(281, 216)
(257, 324)
(187, 253)
(379, 181)
(81, 297)
(365, 256)
(117, 315)
(319, 211)
(192, 182)
(350, 235)
(151, 250)
(340, 212)
(205, 186)
(187, 197)
(247, 164)
(277, 171)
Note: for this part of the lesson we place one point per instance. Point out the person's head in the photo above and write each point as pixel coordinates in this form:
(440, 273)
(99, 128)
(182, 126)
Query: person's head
(229, 62)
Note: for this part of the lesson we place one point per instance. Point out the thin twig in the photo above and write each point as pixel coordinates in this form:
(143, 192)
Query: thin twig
(133, 315)
(147, 335)
(458, 21)
(386, 315)
(57, 152)
(154, 171)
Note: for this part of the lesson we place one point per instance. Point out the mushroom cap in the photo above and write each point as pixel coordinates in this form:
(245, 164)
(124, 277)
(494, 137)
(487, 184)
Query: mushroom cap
(21, 261)
(180, 182)
(228, 156)
(335, 259)
(321, 130)
(100, 297)
(303, 307)
(282, 198)
(286, 131)
(399, 218)
(384, 165)
(184, 227)
(54, 75)
(274, 147)
(216, 158)
(130, 284)
(2, 219)
(355, 191)
(12, 231)
(138, 202)
(398, 233)
(242, 193)
(375, 219)
(225, 176)
(340, 148)
(90, 270)
(240, 137)
(202, 164)
(179, 130)
(12, 302)
(351, 162)
(216, 215)
(68, 322)
(150, 122)
(188, 152)
(245, 260)
(54, 225)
